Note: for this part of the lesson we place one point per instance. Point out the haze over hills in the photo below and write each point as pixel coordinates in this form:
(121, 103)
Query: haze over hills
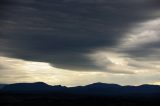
(2, 85)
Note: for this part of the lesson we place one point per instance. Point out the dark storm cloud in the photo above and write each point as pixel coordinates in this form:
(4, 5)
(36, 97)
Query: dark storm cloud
(63, 32)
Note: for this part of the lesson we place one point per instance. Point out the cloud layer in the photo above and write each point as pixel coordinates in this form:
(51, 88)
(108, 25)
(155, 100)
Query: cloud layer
(83, 35)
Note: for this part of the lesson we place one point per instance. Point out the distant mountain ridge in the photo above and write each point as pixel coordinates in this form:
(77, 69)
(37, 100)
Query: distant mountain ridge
(99, 89)
(38, 87)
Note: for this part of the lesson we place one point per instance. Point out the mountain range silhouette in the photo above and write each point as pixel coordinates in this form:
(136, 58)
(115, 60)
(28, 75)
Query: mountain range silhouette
(96, 89)
(42, 94)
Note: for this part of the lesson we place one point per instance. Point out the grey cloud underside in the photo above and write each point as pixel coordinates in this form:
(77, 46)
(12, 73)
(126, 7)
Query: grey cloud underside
(63, 32)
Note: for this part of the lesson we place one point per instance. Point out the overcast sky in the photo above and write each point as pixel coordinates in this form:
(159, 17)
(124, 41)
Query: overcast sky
(77, 42)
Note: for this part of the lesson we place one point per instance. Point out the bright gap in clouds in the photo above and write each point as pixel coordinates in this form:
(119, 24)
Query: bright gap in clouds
(17, 70)
(122, 59)
(118, 60)
(142, 34)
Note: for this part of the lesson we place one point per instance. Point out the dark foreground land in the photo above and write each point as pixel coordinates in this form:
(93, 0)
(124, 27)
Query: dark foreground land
(98, 94)
(72, 100)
